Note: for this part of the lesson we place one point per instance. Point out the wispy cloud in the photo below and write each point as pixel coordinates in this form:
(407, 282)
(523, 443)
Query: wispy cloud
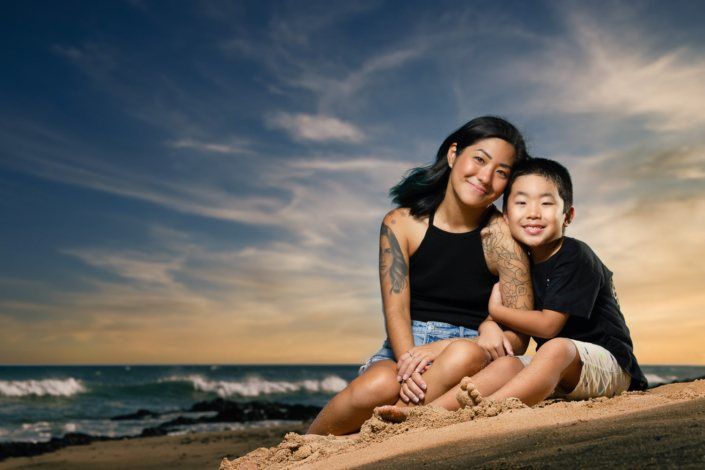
(317, 128)
(212, 147)
(595, 70)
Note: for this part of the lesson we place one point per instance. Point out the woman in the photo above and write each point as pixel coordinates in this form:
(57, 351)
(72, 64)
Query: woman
(441, 251)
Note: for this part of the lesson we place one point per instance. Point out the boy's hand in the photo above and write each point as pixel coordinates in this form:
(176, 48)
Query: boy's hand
(495, 299)
(493, 340)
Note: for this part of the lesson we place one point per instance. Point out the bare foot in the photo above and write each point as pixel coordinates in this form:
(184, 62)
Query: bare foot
(393, 414)
(468, 395)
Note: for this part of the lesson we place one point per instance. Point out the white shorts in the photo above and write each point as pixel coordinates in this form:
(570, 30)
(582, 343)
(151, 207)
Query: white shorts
(601, 375)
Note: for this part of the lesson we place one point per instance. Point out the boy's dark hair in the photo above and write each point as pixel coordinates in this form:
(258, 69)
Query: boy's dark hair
(549, 169)
(422, 189)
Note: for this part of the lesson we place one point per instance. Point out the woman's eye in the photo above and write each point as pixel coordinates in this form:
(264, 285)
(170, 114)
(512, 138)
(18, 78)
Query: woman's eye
(479, 159)
(503, 174)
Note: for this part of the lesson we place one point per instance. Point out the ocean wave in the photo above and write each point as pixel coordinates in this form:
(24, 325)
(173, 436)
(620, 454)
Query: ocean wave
(51, 387)
(657, 379)
(255, 386)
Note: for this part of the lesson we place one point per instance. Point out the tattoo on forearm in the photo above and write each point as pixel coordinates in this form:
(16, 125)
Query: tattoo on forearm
(512, 263)
(392, 265)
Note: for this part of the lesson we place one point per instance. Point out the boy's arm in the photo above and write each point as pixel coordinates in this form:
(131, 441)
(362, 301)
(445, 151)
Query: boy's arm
(512, 265)
(538, 323)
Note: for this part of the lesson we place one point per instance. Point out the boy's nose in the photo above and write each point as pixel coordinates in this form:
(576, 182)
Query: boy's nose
(534, 211)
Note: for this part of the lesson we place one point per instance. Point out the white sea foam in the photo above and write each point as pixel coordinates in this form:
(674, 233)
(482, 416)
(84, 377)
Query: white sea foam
(52, 387)
(255, 386)
(657, 379)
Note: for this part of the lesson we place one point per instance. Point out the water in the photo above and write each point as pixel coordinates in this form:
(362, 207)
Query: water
(41, 402)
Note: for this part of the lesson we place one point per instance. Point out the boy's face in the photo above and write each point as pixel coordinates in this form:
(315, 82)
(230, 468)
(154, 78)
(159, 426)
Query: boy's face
(535, 211)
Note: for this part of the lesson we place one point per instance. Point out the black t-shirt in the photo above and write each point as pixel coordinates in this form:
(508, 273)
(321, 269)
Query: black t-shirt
(575, 282)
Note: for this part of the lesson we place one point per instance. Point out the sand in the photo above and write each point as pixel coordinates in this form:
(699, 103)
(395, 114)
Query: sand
(190, 451)
(664, 426)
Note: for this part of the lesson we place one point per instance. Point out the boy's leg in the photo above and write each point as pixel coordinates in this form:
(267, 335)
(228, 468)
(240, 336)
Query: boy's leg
(556, 364)
(346, 412)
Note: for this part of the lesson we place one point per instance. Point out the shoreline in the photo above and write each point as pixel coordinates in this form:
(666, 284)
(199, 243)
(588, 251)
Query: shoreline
(182, 452)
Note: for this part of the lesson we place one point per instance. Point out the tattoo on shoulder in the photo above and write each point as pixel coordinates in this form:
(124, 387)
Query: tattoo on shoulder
(392, 265)
(512, 264)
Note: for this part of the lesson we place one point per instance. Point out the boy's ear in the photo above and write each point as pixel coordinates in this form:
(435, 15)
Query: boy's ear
(452, 154)
(506, 217)
(569, 216)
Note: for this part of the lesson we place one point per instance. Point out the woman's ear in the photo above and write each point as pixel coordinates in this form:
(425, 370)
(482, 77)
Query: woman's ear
(452, 154)
(569, 216)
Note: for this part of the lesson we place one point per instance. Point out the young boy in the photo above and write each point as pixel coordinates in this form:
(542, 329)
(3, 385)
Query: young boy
(584, 348)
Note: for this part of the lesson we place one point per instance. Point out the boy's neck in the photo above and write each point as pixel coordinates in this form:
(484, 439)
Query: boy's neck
(542, 253)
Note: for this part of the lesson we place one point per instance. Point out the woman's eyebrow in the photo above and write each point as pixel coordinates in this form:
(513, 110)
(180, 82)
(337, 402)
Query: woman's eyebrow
(488, 155)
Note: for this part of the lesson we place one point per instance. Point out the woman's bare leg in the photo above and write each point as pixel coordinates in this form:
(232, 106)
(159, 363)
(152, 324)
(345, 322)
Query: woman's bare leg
(459, 359)
(485, 382)
(346, 412)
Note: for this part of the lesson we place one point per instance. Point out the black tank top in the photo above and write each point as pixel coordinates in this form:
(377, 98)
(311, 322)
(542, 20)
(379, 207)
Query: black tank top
(449, 278)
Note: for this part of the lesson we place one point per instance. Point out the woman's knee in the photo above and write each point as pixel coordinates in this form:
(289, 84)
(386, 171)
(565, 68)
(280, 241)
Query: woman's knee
(377, 386)
(463, 356)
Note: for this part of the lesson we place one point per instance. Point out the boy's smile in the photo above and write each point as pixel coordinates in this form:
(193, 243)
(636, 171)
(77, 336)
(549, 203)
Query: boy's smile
(535, 215)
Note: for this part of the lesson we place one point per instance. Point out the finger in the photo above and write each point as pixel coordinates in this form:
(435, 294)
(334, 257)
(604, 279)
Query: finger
(413, 391)
(407, 393)
(401, 366)
(423, 365)
(403, 395)
(410, 366)
(508, 347)
(500, 351)
(417, 383)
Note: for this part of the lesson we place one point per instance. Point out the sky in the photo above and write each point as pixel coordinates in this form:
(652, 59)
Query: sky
(203, 182)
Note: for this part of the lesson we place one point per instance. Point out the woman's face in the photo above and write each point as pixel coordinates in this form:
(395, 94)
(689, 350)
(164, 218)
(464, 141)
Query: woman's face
(480, 172)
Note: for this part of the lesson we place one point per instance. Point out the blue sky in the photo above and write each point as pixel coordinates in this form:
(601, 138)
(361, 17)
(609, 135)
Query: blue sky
(204, 181)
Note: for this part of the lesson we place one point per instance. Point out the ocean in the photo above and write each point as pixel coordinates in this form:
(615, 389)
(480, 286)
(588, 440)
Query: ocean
(38, 403)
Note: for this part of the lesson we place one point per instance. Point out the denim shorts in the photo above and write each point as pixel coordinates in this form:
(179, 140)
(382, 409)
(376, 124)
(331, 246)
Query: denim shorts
(424, 332)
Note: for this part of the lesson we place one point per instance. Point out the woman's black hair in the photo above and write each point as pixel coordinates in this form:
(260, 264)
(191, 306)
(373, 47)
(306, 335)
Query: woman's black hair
(422, 189)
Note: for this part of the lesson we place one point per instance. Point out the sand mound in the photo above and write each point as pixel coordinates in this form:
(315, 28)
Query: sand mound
(296, 448)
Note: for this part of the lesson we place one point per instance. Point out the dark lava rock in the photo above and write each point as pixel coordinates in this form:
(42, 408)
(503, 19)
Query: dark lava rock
(140, 414)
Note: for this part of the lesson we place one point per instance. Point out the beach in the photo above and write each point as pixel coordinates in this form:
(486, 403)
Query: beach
(190, 451)
(664, 426)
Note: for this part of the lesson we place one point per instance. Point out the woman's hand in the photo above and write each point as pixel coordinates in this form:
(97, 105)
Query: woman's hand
(493, 340)
(412, 364)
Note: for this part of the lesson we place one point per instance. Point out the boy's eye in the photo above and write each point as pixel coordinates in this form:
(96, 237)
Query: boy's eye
(520, 203)
(546, 203)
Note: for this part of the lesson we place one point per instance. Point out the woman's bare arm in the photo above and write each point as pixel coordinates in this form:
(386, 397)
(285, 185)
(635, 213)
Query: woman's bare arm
(394, 281)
